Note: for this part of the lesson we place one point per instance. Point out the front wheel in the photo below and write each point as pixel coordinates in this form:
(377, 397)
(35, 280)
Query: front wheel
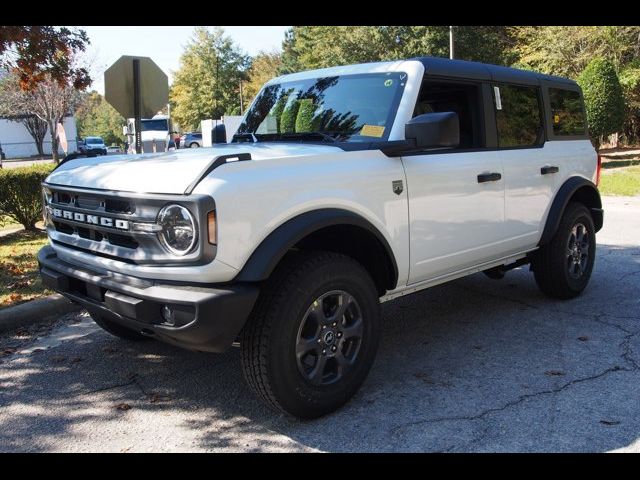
(313, 334)
(563, 267)
(194, 145)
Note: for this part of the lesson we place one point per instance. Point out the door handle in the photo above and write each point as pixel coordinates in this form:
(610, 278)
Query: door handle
(549, 169)
(489, 177)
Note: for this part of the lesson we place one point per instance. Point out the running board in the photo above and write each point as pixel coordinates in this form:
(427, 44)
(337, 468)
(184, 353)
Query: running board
(416, 287)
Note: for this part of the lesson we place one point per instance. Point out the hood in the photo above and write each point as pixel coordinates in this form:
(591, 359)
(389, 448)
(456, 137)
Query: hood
(167, 172)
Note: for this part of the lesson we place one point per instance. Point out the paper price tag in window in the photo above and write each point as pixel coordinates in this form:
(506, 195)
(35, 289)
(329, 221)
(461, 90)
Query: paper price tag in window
(372, 131)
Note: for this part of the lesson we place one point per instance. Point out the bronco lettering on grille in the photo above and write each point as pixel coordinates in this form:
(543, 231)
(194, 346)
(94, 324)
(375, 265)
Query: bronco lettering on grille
(91, 219)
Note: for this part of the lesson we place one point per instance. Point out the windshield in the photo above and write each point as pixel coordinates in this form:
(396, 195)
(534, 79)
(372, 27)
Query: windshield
(348, 108)
(160, 124)
(93, 141)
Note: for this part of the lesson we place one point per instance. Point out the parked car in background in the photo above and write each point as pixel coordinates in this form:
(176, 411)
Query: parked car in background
(114, 149)
(191, 140)
(93, 145)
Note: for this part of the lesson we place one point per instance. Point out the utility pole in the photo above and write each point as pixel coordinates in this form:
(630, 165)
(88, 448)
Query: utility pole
(451, 55)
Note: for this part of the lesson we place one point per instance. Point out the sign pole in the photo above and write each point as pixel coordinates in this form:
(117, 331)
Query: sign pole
(136, 104)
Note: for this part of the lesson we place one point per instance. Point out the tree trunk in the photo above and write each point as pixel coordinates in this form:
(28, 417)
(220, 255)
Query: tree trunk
(37, 129)
(54, 142)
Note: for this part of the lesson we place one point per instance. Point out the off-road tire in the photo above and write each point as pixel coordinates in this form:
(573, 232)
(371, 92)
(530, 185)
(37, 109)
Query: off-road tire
(550, 263)
(269, 339)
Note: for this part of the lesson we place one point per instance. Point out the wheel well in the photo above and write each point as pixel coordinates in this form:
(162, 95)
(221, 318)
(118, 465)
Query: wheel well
(359, 244)
(588, 196)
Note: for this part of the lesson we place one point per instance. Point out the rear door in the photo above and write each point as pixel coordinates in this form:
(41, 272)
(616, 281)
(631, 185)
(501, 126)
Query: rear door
(530, 167)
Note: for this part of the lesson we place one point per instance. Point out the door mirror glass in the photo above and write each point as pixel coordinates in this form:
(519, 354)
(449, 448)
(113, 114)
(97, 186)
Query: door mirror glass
(434, 130)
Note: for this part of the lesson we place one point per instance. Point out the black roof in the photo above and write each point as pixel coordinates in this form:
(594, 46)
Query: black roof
(445, 67)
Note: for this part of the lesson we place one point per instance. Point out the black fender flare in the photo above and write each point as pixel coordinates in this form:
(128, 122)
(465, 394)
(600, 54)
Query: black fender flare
(562, 198)
(268, 254)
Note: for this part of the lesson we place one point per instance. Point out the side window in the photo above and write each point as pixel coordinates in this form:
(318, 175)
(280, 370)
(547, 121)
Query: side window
(461, 98)
(518, 118)
(567, 114)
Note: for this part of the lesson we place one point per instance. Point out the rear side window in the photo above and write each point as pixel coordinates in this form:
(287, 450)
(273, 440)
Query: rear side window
(567, 114)
(518, 116)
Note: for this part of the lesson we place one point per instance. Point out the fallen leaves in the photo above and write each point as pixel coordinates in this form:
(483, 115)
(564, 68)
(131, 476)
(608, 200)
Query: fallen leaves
(583, 338)
(554, 373)
(123, 407)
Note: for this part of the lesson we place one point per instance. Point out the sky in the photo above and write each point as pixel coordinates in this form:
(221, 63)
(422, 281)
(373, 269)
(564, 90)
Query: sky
(164, 45)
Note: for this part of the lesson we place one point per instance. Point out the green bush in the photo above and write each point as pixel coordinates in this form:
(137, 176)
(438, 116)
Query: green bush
(306, 121)
(20, 193)
(289, 116)
(603, 99)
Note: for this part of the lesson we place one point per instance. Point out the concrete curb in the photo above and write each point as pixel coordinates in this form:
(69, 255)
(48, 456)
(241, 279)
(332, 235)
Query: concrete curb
(34, 311)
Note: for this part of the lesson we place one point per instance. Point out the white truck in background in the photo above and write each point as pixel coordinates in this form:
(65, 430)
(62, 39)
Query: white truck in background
(155, 130)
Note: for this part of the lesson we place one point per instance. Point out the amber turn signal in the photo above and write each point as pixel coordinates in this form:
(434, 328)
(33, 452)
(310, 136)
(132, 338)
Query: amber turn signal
(212, 227)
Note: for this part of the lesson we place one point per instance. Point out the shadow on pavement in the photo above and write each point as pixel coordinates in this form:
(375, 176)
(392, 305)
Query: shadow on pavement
(474, 365)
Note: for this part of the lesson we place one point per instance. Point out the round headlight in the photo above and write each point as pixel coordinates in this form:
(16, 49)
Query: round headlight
(179, 232)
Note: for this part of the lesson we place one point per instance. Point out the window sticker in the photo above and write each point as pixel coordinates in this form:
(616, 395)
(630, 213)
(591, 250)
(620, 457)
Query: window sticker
(372, 131)
(388, 82)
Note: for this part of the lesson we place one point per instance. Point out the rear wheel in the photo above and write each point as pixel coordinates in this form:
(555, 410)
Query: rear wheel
(313, 335)
(116, 329)
(194, 145)
(563, 267)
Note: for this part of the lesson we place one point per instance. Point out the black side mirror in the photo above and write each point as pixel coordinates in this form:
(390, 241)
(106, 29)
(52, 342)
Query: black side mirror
(219, 134)
(434, 130)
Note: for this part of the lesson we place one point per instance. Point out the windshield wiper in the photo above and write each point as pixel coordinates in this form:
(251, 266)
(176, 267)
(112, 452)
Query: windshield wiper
(309, 136)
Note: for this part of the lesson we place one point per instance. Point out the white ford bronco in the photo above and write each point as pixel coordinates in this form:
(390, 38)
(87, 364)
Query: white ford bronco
(343, 188)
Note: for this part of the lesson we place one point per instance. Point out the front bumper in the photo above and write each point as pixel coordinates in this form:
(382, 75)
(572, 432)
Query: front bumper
(205, 319)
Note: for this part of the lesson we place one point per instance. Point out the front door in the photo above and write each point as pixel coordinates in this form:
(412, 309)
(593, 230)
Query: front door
(456, 211)
(456, 197)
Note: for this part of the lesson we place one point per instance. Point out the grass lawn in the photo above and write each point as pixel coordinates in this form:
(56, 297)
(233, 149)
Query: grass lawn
(19, 279)
(620, 181)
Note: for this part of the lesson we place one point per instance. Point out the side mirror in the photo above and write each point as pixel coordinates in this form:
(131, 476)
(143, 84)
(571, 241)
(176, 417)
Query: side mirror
(219, 134)
(434, 130)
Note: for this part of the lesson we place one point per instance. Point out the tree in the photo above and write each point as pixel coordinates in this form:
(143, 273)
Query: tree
(11, 106)
(307, 47)
(566, 50)
(95, 117)
(264, 67)
(48, 100)
(41, 53)
(207, 83)
(603, 99)
(630, 82)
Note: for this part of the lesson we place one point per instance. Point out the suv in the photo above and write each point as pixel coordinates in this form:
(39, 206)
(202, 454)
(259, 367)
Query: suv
(343, 188)
(93, 145)
(191, 140)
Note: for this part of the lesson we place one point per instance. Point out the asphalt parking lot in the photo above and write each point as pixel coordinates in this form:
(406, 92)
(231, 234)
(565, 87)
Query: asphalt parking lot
(475, 365)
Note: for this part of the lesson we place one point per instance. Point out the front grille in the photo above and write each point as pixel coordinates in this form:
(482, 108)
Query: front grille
(83, 231)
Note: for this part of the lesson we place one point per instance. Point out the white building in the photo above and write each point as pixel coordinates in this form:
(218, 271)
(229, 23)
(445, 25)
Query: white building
(16, 142)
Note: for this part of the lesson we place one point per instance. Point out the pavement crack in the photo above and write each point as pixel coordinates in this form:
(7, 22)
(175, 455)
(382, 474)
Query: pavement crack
(629, 274)
(110, 387)
(512, 403)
